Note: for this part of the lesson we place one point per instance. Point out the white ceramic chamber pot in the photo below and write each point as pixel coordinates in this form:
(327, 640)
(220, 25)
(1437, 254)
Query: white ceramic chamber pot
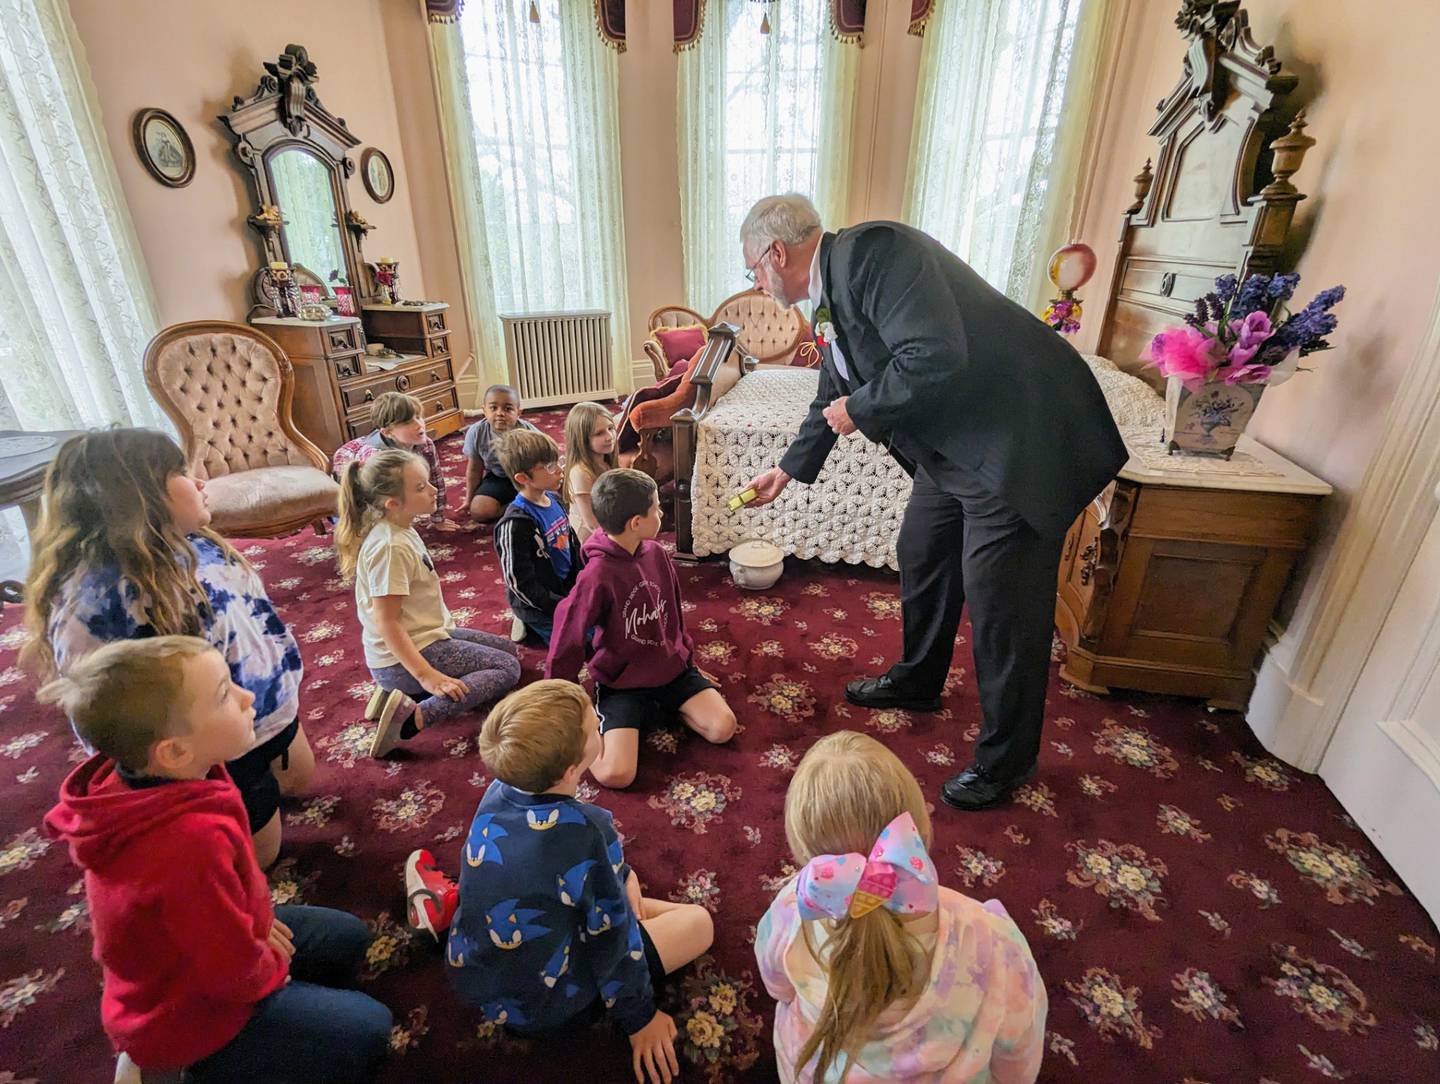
(756, 565)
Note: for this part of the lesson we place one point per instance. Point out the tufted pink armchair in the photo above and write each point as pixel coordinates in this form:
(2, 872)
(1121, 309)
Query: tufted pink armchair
(228, 390)
(768, 333)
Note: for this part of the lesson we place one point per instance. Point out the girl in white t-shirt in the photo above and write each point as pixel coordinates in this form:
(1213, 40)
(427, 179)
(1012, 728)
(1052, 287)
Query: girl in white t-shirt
(589, 453)
(412, 645)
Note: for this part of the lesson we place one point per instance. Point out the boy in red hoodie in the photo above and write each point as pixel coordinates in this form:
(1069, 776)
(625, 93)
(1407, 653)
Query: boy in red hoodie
(200, 971)
(625, 607)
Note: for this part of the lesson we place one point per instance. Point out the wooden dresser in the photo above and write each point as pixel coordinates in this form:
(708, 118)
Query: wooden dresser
(1168, 581)
(335, 382)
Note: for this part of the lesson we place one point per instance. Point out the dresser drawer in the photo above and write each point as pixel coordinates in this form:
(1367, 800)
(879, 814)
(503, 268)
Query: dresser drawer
(435, 323)
(412, 379)
(348, 367)
(341, 340)
(442, 401)
(438, 346)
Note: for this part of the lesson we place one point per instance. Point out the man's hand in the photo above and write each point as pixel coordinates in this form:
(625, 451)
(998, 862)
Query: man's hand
(768, 486)
(282, 938)
(839, 417)
(653, 1046)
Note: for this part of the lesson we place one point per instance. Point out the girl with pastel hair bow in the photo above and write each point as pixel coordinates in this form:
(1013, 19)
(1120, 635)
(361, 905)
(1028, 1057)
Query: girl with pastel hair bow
(879, 972)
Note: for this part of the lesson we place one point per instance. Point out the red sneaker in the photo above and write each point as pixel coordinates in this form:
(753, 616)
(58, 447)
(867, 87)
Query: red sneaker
(430, 896)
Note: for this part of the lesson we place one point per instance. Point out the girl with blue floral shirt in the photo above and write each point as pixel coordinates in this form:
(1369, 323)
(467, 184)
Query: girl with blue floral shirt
(124, 551)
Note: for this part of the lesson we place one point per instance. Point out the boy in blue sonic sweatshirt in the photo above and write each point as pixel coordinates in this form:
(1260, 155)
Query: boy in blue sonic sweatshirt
(547, 927)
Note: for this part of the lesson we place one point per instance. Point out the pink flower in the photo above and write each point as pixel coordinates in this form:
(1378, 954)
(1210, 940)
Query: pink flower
(1186, 353)
(1250, 334)
(1247, 374)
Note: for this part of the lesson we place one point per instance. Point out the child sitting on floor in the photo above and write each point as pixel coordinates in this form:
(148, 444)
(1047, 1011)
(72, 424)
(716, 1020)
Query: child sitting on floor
(412, 645)
(550, 931)
(197, 965)
(881, 974)
(589, 453)
(625, 609)
(399, 422)
(488, 489)
(538, 551)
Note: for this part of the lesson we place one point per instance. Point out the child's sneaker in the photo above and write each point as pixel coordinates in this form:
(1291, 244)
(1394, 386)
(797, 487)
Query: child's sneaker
(394, 711)
(375, 703)
(430, 896)
(518, 632)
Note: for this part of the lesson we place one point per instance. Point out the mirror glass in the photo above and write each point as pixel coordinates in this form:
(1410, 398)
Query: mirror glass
(306, 197)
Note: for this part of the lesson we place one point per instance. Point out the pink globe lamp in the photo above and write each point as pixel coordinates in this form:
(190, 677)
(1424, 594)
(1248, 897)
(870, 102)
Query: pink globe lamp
(1070, 268)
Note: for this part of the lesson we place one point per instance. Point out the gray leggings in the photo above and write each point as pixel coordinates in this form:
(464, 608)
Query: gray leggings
(489, 665)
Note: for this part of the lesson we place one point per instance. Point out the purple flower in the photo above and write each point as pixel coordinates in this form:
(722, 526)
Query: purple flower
(1250, 334)
(1252, 297)
(1225, 288)
(1282, 287)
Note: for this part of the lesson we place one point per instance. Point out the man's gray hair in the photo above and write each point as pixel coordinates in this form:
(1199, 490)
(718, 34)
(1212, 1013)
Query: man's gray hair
(789, 219)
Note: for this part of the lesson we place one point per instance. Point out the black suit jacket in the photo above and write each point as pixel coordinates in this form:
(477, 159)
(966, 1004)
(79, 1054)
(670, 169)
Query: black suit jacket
(942, 362)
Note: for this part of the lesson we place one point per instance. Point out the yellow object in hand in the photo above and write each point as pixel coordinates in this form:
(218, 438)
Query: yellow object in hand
(740, 500)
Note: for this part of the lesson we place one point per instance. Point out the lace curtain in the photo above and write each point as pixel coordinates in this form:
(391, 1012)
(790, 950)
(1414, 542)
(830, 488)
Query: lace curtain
(758, 114)
(1001, 118)
(530, 118)
(75, 304)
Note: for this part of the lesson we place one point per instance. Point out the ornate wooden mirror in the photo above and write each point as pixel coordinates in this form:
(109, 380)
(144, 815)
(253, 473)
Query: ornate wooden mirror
(297, 155)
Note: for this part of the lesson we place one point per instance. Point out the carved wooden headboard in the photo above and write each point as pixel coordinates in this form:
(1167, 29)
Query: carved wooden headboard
(1218, 198)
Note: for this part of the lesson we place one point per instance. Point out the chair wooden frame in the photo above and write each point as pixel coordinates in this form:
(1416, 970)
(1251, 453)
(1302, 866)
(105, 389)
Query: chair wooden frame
(680, 316)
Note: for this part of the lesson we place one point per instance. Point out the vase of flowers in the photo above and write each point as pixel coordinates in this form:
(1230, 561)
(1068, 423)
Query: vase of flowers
(1240, 338)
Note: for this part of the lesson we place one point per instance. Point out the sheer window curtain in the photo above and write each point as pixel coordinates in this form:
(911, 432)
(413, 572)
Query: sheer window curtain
(758, 114)
(75, 304)
(530, 120)
(1002, 119)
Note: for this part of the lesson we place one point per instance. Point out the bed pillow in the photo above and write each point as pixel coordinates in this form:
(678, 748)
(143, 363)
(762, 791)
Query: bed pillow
(679, 343)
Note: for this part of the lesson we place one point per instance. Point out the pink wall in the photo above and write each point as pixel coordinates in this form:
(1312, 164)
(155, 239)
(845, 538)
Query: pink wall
(1370, 178)
(190, 59)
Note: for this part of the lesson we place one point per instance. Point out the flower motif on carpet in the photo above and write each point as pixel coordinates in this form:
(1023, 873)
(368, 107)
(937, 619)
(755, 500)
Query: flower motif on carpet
(1229, 804)
(1176, 822)
(23, 851)
(1426, 1037)
(14, 639)
(442, 553)
(888, 720)
(19, 993)
(11, 911)
(315, 813)
(1096, 786)
(1136, 746)
(942, 756)
(1418, 944)
(664, 741)
(719, 652)
(1065, 1048)
(347, 745)
(1342, 872)
(773, 649)
(815, 590)
(772, 883)
(1015, 836)
(883, 605)
(491, 1037)
(1203, 999)
(346, 847)
(406, 1035)
(1037, 796)
(702, 887)
(11, 675)
(1257, 886)
(1217, 921)
(752, 835)
(718, 1031)
(696, 800)
(1353, 947)
(1121, 872)
(1321, 1064)
(766, 609)
(1054, 923)
(834, 613)
(323, 630)
(781, 757)
(978, 867)
(316, 555)
(75, 917)
(1112, 1008)
(331, 658)
(833, 647)
(790, 699)
(411, 808)
(287, 885)
(457, 746)
(389, 948)
(1266, 772)
(1323, 994)
(19, 745)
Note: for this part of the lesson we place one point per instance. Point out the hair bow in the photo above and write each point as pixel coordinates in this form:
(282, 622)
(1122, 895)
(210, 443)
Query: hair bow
(898, 875)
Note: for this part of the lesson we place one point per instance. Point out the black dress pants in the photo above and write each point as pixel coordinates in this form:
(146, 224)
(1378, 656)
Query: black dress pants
(958, 542)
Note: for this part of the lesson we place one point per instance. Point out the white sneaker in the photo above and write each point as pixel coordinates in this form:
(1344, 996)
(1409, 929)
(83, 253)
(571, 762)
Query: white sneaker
(518, 632)
(397, 708)
(375, 703)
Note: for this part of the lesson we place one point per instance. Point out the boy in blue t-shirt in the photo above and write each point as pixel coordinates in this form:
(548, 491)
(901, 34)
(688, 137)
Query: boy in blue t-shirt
(539, 551)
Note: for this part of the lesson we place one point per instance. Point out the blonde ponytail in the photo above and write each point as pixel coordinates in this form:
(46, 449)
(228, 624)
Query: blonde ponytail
(364, 489)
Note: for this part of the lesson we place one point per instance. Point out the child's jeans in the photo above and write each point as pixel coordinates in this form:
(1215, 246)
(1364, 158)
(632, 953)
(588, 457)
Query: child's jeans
(539, 622)
(488, 665)
(309, 1032)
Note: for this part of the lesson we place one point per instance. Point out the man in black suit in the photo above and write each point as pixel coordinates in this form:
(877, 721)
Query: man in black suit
(1000, 423)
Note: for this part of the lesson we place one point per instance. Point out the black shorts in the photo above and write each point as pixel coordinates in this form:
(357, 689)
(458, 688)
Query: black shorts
(498, 488)
(638, 709)
(259, 789)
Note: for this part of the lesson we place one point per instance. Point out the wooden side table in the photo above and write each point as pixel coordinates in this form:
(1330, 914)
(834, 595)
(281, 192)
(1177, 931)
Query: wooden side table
(24, 459)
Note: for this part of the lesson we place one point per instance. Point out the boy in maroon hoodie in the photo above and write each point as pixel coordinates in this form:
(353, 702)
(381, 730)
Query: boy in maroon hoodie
(625, 607)
(200, 971)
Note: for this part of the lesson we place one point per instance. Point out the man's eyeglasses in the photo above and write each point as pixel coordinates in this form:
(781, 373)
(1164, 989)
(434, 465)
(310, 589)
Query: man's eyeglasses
(750, 271)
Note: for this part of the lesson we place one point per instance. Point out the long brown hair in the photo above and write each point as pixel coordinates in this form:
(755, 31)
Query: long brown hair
(105, 506)
(847, 788)
(364, 488)
(579, 428)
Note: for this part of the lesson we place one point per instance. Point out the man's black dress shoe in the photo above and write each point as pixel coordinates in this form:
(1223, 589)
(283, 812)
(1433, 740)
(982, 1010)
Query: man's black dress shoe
(881, 692)
(975, 788)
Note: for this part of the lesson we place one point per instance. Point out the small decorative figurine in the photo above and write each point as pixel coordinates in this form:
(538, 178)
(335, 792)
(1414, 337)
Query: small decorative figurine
(287, 290)
(387, 278)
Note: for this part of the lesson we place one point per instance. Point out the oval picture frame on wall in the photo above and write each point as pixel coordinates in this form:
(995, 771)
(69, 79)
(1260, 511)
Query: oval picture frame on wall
(164, 147)
(376, 175)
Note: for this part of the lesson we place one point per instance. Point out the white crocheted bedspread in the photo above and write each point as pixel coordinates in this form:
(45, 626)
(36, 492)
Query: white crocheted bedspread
(852, 511)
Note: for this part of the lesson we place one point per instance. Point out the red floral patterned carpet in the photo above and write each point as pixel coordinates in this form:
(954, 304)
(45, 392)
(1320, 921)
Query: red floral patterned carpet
(1199, 911)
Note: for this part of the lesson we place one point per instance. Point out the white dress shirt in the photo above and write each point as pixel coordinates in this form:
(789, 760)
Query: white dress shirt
(815, 291)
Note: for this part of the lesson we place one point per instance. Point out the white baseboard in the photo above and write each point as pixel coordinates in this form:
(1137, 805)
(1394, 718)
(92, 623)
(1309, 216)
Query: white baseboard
(1283, 715)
